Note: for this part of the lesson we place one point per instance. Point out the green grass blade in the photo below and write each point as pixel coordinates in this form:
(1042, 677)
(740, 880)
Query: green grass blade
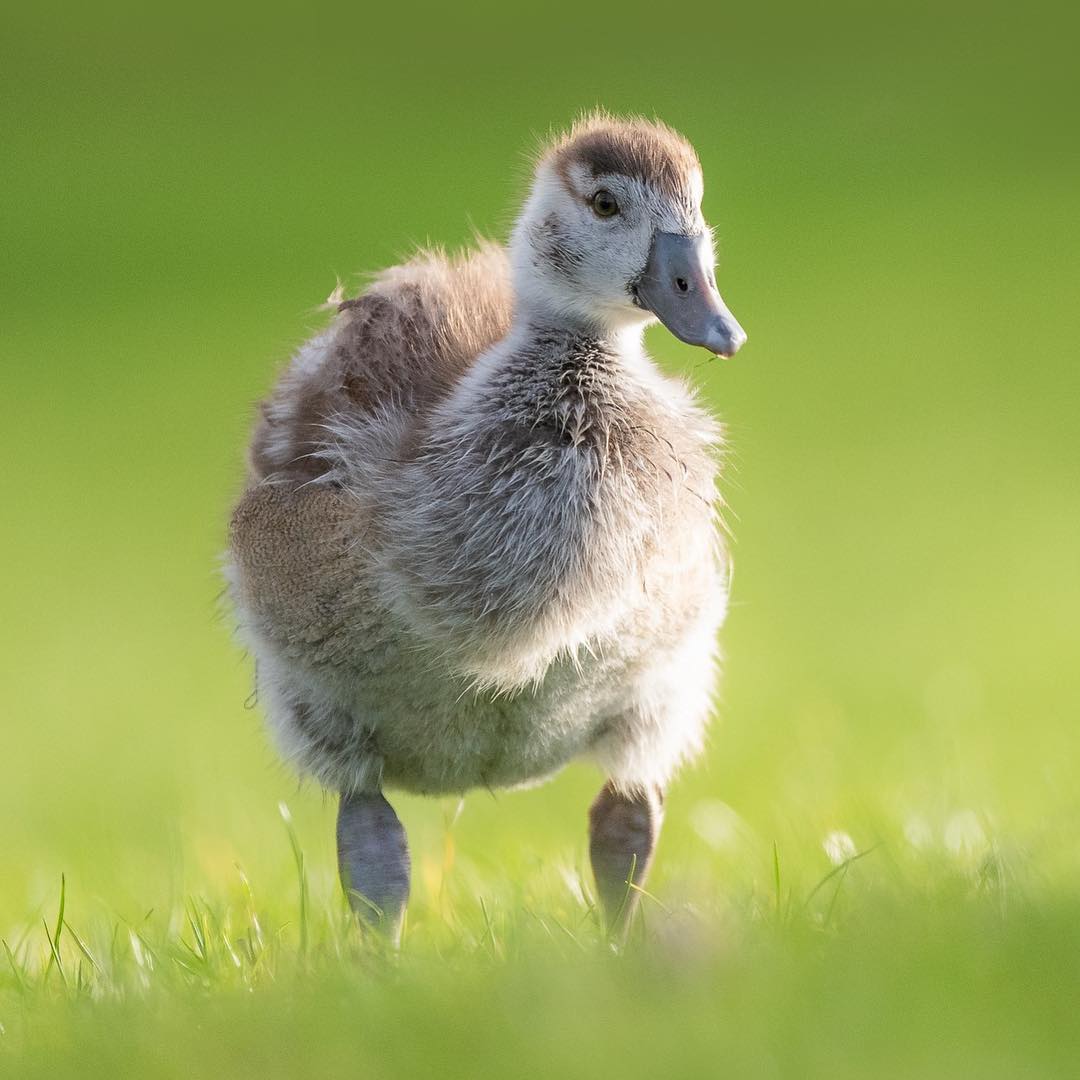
(20, 982)
(301, 875)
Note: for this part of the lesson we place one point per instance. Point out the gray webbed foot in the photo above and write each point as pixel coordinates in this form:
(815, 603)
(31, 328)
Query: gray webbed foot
(623, 828)
(373, 860)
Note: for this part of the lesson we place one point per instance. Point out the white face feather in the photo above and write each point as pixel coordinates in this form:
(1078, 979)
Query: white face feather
(571, 263)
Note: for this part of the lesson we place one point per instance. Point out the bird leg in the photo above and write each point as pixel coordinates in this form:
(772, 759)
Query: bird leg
(623, 827)
(373, 860)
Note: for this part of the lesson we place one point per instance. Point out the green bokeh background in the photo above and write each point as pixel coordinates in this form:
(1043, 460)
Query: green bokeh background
(896, 192)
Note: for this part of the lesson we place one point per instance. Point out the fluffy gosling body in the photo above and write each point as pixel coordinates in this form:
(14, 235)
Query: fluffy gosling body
(480, 534)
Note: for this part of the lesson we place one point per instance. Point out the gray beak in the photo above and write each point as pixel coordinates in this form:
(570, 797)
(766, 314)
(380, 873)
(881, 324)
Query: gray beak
(679, 288)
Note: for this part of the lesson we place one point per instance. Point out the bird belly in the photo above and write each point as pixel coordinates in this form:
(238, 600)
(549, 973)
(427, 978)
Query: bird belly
(436, 733)
(355, 699)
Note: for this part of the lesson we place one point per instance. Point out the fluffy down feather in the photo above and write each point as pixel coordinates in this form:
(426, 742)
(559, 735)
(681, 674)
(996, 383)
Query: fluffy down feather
(474, 547)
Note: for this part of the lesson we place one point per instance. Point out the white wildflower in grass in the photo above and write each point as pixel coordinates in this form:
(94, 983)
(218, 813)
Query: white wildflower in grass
(918, 833)
(716, 823)
(964, 835)
(839, 847)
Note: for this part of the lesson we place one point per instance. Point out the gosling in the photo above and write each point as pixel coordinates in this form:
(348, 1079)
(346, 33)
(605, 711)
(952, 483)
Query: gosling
(480, 536)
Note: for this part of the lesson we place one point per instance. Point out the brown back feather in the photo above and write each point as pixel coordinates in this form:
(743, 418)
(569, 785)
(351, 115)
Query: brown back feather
(404, 343)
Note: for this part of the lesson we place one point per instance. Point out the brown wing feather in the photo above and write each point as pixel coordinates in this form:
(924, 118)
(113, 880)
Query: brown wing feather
(293, 564)
(404, 343)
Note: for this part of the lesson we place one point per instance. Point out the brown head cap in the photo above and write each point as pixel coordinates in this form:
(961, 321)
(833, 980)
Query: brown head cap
(645, 150)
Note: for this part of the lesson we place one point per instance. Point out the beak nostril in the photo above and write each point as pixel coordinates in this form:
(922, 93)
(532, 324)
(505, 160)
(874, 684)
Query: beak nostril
(682, 285)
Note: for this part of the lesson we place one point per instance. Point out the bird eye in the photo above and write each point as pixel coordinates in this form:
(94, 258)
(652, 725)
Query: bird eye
(604, 204)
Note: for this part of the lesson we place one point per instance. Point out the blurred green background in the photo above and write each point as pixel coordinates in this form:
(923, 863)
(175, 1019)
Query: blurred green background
(897, 193)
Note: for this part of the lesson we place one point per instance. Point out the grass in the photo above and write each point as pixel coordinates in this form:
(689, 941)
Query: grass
(935, 960)
(874, 870)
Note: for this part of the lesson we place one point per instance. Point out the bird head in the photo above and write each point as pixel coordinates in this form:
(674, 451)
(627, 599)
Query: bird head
(612, 235)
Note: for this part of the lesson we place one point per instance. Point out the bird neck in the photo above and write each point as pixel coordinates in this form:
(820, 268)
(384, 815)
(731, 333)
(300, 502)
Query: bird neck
(619, 341)
(541, 309)
(548, 372)
(542, 335)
